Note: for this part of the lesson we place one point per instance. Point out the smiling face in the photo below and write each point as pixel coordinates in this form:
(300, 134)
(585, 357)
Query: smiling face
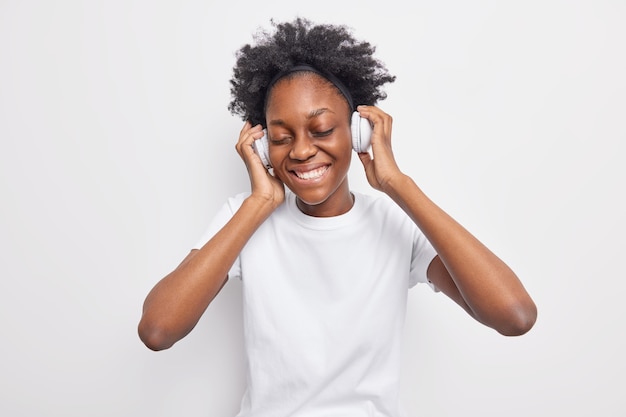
(310, 146)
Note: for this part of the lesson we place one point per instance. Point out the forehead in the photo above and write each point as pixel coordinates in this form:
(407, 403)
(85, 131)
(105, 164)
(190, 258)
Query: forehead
(302, 89)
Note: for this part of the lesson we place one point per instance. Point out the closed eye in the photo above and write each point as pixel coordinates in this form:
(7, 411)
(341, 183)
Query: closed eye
(322, 134)
(281, 141)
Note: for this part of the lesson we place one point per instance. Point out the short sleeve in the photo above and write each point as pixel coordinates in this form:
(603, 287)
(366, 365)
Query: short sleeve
(422, 256)
(224, 214)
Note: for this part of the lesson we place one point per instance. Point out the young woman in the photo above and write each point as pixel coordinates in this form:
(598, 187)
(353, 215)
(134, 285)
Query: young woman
(325, 270)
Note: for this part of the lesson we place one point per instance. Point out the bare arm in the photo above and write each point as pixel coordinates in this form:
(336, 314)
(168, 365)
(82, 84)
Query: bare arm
(176, 303)
(465, 269)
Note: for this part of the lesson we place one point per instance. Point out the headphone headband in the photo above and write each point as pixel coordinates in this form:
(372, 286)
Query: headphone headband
(306, 67)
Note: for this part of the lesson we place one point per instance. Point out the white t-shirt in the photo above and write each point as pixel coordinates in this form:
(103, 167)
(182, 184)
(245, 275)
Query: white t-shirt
(324, 303)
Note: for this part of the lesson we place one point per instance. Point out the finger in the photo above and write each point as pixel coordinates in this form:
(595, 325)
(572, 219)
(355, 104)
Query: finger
(365, 158)
(247, 130)
(247, 136)
(247, 125)
(380, 121)
(368, 167)
(367, 161)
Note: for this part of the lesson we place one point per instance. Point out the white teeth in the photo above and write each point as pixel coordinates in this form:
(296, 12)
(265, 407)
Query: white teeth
(311, 175)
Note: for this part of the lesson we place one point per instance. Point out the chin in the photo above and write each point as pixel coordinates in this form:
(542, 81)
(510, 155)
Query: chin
(311, 198)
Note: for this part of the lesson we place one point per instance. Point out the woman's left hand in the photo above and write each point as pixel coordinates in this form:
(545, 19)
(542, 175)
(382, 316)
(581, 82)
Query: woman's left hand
(381, 169)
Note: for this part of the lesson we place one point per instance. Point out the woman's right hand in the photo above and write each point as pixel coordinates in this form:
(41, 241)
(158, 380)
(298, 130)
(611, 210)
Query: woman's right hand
(264, 185)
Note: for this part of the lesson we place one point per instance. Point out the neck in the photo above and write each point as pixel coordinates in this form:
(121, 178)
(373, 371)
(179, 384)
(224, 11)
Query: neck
(340, 202)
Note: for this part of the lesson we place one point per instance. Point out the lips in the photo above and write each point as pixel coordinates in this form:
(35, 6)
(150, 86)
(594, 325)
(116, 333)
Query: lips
(310, 174)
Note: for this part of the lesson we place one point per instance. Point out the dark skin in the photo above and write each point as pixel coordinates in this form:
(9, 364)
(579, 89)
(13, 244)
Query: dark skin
(310, 150)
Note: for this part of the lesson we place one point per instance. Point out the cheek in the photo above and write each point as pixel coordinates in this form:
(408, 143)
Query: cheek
(277, 156)
(348, 160)
(341, 152)
(280, 173)
(344, 151)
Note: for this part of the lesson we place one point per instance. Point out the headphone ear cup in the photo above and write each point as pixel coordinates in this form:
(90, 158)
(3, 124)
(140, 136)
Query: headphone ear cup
(361, 133)
(261, 147)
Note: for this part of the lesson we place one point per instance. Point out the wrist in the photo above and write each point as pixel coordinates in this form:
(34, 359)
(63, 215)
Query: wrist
(395, 185)
(263, 204)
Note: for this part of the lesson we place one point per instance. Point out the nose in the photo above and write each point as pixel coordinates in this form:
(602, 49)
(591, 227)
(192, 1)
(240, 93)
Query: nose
(303, 148)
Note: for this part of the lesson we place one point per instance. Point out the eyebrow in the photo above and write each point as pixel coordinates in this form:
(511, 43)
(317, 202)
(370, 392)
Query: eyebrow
(311, 115)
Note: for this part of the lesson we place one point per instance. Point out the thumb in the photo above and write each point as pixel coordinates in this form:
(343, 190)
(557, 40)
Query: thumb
(365, 158)
(368, 164)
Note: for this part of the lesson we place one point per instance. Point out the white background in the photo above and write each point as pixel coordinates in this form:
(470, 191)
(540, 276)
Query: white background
(117, 148)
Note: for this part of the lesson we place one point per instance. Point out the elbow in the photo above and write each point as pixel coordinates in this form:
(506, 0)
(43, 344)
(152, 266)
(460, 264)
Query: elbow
(155, 337)
(519, 320)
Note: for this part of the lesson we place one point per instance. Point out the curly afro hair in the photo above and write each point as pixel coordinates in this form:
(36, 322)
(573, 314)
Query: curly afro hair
(329, 48)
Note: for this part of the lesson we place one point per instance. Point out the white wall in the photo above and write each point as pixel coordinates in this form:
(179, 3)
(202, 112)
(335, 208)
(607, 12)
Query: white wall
(117, 148)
